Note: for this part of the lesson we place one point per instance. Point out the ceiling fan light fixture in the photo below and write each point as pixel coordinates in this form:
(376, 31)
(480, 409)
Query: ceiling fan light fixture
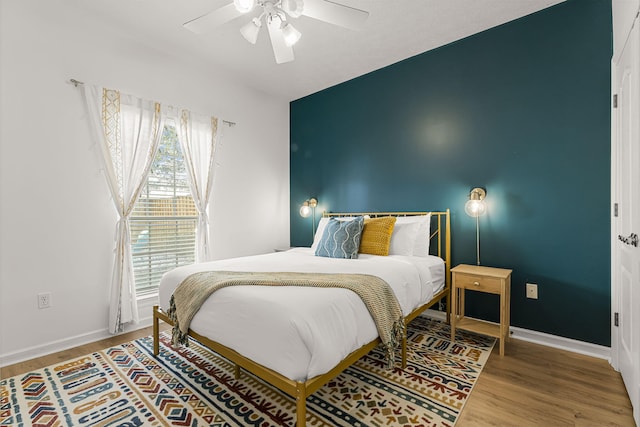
(273, 14)
(290, 34)
(293, 8)
(244, 6)
(250, 30)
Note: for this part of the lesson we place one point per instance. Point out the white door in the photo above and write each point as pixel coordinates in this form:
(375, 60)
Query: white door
(626, 225)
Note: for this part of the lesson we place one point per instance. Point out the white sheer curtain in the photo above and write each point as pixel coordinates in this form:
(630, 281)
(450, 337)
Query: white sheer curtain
(128, 130)
(198, 137)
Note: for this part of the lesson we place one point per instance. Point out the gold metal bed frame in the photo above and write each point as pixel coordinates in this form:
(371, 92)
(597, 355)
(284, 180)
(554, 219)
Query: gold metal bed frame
(300, 390)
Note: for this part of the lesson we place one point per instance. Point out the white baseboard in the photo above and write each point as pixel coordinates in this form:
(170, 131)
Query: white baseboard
(562, 343)
(549, 340)
(50, 347)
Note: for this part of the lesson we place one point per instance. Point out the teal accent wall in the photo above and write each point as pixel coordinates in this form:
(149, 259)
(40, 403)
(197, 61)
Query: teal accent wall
(523, 110)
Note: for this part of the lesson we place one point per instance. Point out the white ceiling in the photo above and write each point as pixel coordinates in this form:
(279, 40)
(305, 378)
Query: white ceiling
(326, 54)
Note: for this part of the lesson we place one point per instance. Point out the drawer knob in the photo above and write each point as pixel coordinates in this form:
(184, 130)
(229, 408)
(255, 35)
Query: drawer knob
(476, 283)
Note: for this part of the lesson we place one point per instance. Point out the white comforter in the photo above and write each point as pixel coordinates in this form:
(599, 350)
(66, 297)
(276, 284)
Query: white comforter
(302, 332)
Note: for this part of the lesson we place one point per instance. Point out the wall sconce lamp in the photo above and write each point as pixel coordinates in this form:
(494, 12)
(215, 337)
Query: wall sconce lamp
(309, 208)
(475, 207)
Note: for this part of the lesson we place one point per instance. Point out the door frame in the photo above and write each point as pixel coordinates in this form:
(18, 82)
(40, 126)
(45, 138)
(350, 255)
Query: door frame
(634, 25)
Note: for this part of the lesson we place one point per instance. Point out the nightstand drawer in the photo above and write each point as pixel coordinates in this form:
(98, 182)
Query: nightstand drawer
(478, 283)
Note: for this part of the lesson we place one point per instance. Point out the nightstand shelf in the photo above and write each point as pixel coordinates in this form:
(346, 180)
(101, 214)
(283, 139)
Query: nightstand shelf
(481, 279)
(479, 326)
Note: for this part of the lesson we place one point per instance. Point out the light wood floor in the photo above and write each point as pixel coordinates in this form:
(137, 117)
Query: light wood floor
(535, 385)
(532, 385)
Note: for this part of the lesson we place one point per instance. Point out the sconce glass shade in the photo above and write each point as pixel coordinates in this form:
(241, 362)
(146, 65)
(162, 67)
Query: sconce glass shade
(305, 210)
(475, 206)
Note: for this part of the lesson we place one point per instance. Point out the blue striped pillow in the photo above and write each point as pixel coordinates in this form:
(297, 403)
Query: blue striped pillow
(341, 239)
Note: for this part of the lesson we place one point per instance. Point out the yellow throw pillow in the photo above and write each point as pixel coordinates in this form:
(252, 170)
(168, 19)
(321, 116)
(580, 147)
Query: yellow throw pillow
(376, 235)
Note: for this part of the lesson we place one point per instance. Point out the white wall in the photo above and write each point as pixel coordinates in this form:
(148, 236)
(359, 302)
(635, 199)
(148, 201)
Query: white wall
(623, 13)
(56, 217)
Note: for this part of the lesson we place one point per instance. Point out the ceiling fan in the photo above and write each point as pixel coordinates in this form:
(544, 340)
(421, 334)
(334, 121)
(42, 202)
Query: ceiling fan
(274, 14)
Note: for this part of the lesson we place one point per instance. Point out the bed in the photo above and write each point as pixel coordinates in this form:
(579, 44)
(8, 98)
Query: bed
(299, 338)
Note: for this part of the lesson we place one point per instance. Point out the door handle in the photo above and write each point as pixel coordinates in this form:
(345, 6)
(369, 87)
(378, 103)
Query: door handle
(631, 240)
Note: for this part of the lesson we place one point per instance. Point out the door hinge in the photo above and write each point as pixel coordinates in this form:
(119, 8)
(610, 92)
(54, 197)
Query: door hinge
(615, 319)
(615, 209)
(615, 100)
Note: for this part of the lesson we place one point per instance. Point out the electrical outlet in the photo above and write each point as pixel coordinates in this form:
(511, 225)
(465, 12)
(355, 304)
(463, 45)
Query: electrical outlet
(532, 291)
(44, 300)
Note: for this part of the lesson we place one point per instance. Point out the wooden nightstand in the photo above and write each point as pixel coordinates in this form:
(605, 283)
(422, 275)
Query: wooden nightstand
(481, 279)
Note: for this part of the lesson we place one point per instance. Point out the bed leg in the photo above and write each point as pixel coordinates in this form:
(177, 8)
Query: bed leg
(301, 405)
(447, 301)
(236, 371)
(404, 350)
(156, 331)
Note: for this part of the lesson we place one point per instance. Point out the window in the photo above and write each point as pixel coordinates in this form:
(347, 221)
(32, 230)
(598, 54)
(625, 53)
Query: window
(163, 221)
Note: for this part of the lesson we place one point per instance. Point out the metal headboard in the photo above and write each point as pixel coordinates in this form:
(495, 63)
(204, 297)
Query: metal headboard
(440, 231)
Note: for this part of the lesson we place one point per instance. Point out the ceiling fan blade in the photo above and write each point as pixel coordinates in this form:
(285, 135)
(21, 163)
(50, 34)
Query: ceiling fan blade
(213, 19)
(281, 51)
(335, 13)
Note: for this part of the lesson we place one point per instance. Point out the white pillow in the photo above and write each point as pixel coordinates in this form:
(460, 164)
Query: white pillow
(318, 236)
(403, 238)
(423, 234)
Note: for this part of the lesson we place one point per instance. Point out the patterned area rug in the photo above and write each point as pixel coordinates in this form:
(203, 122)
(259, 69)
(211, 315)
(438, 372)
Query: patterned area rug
(127, 386)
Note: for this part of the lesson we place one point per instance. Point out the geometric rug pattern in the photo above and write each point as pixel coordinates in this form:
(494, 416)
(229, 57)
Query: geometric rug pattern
(191, 386)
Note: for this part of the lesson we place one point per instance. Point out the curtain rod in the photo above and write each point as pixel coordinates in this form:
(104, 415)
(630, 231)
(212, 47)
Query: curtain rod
(78, 82)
